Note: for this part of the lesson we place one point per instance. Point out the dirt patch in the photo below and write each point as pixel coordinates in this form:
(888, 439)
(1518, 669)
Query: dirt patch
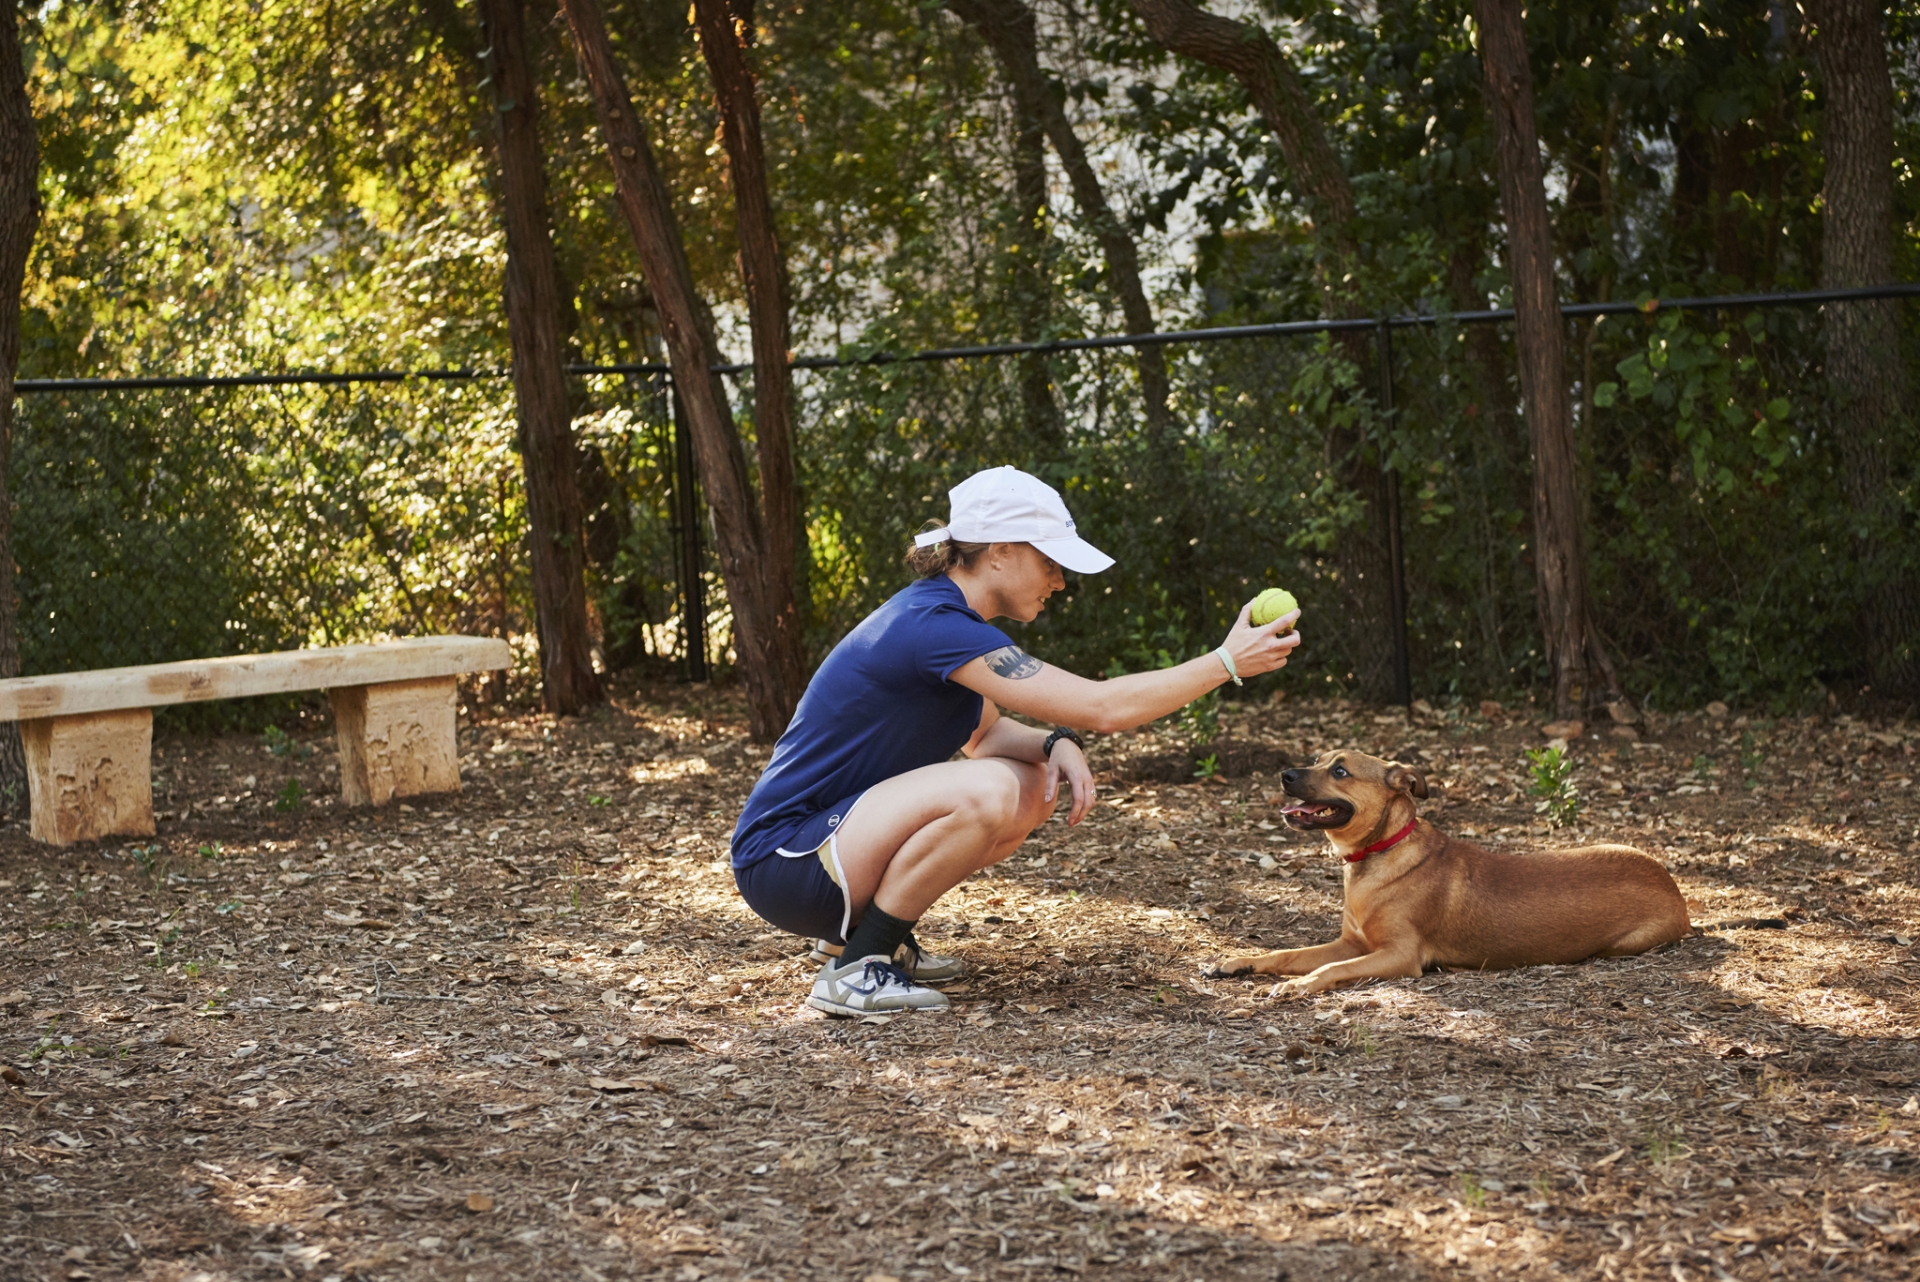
(529, 1032)
(1223, 758)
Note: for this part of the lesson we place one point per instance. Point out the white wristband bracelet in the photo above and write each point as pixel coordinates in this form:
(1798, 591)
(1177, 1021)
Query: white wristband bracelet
(1227, 659)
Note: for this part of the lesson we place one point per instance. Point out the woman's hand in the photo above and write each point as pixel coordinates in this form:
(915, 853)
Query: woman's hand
(1069, 763)
(1261, 648)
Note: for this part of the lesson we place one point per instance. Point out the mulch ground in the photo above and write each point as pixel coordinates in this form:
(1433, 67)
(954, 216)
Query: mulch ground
(528, 1031)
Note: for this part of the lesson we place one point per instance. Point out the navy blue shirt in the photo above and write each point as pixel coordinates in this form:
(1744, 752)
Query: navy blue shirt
(879, 706)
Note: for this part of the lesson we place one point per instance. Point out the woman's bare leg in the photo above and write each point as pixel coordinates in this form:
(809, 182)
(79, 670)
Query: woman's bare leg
(916, 836)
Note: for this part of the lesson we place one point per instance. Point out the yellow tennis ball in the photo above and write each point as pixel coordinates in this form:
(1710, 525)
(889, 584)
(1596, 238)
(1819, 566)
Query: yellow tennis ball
(1271, 604)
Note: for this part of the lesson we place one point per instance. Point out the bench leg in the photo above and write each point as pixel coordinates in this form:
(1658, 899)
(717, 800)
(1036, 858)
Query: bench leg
(90, 776)
(397, 739)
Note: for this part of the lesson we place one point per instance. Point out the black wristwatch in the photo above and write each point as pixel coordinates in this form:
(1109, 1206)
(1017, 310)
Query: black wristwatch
(1059, 733)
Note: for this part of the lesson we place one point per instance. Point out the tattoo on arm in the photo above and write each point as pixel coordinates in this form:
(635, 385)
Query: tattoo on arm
(1013, 663)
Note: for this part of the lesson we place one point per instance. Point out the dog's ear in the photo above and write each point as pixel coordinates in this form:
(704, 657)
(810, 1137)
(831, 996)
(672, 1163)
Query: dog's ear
(1406, 779)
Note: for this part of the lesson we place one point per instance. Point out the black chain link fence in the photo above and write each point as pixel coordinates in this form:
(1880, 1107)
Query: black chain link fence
(167, 522)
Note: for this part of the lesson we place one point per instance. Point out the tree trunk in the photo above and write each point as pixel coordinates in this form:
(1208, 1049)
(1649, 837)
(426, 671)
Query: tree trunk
(724, 34)
(1484, 355)
(1008, 28)
(1030, 279)
(692, 351)
(1249, 54)
(567, 680)
(1868, 379)
(19, 219)
(1575, 656)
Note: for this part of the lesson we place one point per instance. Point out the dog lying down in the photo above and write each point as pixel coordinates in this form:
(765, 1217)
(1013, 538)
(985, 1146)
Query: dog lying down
(1417, 899)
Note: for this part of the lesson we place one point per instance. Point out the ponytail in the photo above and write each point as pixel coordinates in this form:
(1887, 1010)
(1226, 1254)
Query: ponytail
(938, 558)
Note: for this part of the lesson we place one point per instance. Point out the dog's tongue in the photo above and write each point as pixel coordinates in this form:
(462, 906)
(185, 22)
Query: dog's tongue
(1299, 808)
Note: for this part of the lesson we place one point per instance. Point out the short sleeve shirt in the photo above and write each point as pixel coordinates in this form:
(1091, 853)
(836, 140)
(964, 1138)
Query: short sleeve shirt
(882, 704)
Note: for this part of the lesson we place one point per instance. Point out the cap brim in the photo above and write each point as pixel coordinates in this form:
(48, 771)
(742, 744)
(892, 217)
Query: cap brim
(1077, 555)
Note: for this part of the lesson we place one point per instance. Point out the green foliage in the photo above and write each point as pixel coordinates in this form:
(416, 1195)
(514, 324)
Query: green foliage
(1751, 758)
(281, 744)
(1707, 385)
(52, 1042)
(1665, 1144)
(290, 797)
(1158, 639)
(1717, 513)
(322, 200)
(1360, 1037)
(155, 527)
(150, 860)
(1559, 796)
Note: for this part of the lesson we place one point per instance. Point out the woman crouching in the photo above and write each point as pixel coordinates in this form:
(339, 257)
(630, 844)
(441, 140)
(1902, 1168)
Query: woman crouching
(862, 820)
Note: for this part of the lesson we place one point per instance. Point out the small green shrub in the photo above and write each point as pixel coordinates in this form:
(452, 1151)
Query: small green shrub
(151, 860)
(282, 744)
(1559, 798)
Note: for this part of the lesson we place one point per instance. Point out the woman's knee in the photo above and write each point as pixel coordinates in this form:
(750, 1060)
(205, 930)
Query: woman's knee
(1031, 806)
(1004, 799)
(989, 801)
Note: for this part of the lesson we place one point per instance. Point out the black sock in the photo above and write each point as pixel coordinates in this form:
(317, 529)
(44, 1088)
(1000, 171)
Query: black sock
(879, 932)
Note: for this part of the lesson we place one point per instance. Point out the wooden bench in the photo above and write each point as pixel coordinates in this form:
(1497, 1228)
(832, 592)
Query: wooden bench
(89, 735)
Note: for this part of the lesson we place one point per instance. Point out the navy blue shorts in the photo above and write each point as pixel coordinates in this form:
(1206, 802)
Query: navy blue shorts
(790, 887)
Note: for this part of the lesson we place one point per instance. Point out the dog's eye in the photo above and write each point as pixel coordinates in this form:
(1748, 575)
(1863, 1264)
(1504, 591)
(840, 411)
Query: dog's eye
(1339, 772)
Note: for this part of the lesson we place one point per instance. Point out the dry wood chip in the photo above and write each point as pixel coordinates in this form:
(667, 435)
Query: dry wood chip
(1538, 1072)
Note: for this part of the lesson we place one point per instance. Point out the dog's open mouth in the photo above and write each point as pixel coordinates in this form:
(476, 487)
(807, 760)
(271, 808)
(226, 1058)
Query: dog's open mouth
(1317, 814)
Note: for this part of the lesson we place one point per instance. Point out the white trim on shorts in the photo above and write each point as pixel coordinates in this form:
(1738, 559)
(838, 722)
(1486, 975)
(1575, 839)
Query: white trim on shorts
(838, 874)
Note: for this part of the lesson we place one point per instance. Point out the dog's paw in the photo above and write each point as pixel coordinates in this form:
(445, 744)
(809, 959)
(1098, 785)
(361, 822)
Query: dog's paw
(1288, 990)
(1233, 967)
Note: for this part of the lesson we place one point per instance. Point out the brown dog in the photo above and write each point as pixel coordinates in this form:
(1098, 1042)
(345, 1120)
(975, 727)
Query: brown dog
(1416, 898)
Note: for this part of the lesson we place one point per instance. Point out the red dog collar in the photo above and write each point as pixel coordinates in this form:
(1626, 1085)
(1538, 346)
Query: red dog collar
(1388, 844)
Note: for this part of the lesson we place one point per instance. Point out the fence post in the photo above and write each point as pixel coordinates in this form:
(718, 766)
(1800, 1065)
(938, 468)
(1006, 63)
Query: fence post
(1396, 551)
(686, 524)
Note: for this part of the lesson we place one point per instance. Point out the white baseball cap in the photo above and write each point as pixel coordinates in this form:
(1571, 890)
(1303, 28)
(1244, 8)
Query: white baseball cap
(1006, 505)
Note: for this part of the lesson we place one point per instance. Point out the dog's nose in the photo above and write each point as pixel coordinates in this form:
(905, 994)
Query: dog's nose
(1289, 776)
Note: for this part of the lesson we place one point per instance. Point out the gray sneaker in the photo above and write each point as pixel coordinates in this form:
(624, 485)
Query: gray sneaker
(921, 967)
(870, 986)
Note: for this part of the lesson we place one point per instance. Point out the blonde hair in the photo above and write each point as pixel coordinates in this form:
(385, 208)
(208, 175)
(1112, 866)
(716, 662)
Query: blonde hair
(938, 558)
